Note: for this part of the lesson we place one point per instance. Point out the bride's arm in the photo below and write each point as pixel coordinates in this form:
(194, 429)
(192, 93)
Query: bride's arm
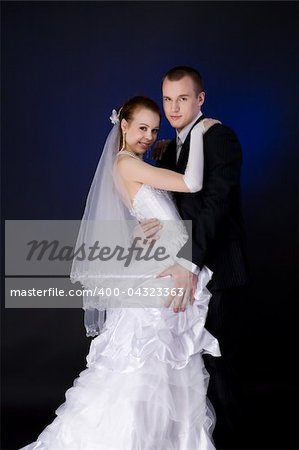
(191, 181)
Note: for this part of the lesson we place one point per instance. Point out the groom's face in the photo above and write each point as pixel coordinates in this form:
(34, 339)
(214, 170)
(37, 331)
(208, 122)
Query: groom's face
(181, 102)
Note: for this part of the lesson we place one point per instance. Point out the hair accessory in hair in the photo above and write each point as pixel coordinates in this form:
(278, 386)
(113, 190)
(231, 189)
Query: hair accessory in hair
(114, 117)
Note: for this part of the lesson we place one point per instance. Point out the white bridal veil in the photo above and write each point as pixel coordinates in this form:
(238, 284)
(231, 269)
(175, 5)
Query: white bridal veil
(106, 221)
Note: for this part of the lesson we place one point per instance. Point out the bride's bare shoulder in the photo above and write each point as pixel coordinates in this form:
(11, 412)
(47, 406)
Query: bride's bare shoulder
(126, 160)
(126, 164)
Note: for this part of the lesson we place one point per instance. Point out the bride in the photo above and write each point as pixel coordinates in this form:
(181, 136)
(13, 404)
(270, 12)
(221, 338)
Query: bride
(145, 384)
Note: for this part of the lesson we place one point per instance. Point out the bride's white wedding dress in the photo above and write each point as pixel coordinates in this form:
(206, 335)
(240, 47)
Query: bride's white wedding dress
(145, 384)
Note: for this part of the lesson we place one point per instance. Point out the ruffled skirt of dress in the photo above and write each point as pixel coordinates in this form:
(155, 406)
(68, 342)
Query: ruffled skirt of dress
(144, 387)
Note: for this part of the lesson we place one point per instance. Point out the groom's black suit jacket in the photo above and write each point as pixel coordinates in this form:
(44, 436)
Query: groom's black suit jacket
(215, 211)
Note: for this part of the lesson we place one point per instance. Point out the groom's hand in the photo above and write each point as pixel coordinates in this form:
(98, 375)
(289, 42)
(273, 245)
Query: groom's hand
(150, 229)
(183, 286)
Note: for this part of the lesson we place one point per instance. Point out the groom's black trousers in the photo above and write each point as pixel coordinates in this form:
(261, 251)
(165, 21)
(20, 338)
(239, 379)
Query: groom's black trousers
(224, 321)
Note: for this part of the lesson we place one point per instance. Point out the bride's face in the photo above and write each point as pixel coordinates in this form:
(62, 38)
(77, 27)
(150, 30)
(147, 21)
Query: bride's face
(141, 131)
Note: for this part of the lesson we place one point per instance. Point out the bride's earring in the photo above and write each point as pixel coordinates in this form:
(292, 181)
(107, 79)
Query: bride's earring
(124, 141)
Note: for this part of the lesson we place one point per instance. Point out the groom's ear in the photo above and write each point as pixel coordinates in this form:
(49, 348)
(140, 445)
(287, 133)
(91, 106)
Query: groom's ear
(201, 98)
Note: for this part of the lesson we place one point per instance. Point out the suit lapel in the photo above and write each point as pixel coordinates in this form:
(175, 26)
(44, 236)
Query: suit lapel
(169, 158)
(185, 149)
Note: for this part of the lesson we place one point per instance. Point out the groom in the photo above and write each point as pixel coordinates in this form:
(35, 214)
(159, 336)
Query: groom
(217, 233)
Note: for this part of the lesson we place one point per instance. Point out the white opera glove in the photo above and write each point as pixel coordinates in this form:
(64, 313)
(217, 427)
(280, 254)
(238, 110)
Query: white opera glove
(193, 176)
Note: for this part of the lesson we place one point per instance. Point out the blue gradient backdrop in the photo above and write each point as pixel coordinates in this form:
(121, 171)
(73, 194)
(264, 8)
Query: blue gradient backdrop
(65, 65)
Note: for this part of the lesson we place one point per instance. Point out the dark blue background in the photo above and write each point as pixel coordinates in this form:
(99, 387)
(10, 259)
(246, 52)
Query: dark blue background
(64, 67)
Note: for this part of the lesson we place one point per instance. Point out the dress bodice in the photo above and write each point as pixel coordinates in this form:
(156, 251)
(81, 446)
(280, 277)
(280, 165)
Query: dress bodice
(150, 202)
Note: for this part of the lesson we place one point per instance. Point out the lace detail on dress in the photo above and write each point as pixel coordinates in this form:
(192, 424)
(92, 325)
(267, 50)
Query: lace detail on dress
(156, 193)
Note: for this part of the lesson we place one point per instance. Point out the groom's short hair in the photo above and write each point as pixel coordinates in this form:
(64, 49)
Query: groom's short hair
(178, 72)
